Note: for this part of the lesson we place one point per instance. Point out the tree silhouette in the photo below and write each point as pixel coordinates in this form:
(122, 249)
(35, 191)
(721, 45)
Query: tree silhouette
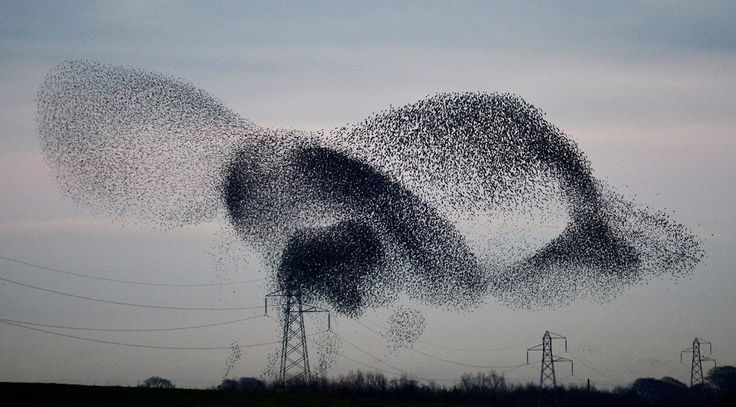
(723, 380)
(156, 382)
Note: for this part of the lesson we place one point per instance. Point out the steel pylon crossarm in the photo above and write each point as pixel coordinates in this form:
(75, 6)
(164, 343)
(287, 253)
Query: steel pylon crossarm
(696, 367)
(547, 378)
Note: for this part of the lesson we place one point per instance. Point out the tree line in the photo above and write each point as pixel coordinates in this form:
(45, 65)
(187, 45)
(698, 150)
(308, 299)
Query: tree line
(490, 388)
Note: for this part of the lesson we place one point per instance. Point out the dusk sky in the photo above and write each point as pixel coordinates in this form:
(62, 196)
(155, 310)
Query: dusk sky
(646, 89)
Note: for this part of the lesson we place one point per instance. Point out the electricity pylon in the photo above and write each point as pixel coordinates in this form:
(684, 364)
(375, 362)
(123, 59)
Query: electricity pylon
(696, 369)
(547, 379)
(294, 366)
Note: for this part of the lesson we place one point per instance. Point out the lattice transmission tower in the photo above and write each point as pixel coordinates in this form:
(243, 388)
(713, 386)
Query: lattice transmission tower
(696, 369)
(547, 378)
(294, 361)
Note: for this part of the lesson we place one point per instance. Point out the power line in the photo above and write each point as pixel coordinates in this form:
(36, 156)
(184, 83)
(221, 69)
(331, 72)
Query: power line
(133, 345)
(369, 366)
(115, 280)
(131, 329)
(454, 362)
(395, 374)
(657, 367)
(632, 372)
(436, 345)
(598, 365)
(566, 377)
(475, 349)
(442, 359)
(376, 358)
(402, 372)
(615, 380)
(368, 328)
(512, 369)
(129, 304)
(378, 369)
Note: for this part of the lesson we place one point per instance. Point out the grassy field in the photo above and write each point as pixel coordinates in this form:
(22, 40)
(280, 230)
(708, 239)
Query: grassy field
(42, 394)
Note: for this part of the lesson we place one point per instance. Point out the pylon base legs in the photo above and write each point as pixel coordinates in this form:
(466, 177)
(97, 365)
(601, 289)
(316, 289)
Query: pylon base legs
(294, 370)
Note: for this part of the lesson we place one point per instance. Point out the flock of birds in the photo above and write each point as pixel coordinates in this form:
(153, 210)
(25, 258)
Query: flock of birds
(361, 215)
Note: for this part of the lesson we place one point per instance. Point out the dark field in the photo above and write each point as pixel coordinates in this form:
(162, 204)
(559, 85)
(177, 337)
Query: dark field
(648, 392)
(43, 394)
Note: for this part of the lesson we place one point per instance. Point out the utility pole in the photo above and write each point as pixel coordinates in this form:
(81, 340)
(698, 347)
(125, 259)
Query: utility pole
(547, 379)
(294, 366)
(696, 368)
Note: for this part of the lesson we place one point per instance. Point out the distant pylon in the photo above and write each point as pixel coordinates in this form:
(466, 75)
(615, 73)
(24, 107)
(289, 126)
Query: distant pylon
(294, 364)
(696, 369)
(547, 379)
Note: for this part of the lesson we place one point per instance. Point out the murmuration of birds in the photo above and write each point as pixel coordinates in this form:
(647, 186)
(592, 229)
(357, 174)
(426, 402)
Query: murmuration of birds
(357, 217)
(329, 348)
(403, 328)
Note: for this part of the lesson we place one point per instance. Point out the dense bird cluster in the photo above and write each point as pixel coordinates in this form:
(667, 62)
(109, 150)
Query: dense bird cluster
(403, 328)
(356, 216)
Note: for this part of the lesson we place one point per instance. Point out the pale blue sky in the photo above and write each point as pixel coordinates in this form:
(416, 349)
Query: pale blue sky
(648, 90)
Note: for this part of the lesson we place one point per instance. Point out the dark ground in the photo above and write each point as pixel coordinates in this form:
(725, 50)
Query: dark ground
(48, 394)
(43, 394)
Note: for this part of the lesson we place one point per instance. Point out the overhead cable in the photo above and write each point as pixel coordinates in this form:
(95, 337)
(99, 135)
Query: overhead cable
(129, 304)
(234, 321)
(115, 280)
(136, 345)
